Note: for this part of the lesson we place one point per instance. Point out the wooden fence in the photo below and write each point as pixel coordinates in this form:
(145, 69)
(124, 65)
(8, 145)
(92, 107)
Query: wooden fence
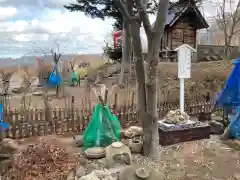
(34, 123)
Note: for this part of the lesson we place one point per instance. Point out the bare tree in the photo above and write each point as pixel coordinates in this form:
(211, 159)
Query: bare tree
(228, 19)
(26, 99)
(4, 100)
(44, 75)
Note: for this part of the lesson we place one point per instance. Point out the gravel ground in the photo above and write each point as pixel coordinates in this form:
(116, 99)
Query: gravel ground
(209, 159)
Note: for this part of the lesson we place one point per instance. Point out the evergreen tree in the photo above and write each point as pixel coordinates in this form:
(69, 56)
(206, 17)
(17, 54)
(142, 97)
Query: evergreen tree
(105, 9)
(98, 9)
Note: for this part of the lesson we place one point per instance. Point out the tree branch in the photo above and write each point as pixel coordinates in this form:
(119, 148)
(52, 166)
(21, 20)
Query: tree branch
(235, 18)
(158, 29)
(144, 17)
(124, 11)
(161, 15)
(236, 31)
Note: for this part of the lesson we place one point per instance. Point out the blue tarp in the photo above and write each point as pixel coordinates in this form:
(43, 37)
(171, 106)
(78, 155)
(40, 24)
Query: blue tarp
(234, 125)
(1, 112)
(229, 98)
(54, 78)
(230, 95)
(3, 126)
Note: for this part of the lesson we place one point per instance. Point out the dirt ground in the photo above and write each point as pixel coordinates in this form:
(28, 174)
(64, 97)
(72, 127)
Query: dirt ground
(79, 94)
(209, 159)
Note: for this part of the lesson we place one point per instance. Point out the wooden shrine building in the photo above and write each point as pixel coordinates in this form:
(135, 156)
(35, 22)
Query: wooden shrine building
(182, 22)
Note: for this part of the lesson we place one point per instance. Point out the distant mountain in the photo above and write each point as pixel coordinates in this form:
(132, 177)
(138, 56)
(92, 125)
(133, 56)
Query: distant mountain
(30, 60)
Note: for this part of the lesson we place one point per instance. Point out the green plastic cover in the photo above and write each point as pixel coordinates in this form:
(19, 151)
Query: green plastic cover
(103, 129)
(74, 77)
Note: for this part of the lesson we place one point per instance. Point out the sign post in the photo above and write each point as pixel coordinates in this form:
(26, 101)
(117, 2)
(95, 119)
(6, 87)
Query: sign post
(184, 68)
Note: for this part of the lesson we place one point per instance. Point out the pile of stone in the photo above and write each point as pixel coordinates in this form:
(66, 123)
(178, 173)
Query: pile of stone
(44, 160)
(110, 161)
(176, 117)
(132, 137)
(117, 164)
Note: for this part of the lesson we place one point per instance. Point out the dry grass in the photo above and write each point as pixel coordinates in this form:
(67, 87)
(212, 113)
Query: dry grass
(205, 77)
(94, 60)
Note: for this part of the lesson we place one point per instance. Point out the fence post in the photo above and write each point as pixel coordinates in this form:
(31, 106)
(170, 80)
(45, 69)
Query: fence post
(72, 107)
(115, 101)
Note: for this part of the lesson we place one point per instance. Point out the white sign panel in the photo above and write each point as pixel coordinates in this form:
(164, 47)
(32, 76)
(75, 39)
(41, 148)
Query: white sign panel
(184, 63)
(184, 60)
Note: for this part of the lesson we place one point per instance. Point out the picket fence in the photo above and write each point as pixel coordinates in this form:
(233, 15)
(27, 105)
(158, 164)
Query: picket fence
(34, 123)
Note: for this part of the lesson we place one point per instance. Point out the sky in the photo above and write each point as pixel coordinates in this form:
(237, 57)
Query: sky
(30, 27)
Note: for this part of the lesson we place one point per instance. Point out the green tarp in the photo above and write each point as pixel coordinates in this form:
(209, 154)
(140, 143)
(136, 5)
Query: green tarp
(74, 78)
(103, 129)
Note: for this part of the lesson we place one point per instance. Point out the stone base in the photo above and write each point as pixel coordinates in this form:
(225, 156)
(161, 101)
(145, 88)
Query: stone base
(178, 134)
(5, 165)
(117, 153)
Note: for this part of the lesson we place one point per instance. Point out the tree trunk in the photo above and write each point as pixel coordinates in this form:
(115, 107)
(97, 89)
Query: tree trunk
(47, 106)
(126, 52)
(147, 104)
(151, 82)
(226, 50)
(152, 109)
(126, 45)
(141, 88)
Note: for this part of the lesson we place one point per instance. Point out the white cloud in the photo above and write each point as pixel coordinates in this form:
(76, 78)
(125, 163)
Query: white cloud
(31, 37)
(7, 12)
(43, 27)
(28, 22)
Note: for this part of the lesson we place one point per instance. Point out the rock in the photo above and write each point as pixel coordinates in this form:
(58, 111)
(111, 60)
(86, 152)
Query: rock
(83, 161)
(37, 93)
(98, 175)
(80, 171)
(78, 140)
(9, 146)
(126, 141)
(5, 165)
(116, 170)
(136, 146)
(216, 118)
(17, 90)
(117, 153)
(5, 157)
(76, 172)
(90, 167)
(140, 172)
(216, 127)
(133, 131)
(95, 152)
(71, 175)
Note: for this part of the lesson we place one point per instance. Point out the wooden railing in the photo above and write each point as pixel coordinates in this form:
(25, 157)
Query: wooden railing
(34, 122)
